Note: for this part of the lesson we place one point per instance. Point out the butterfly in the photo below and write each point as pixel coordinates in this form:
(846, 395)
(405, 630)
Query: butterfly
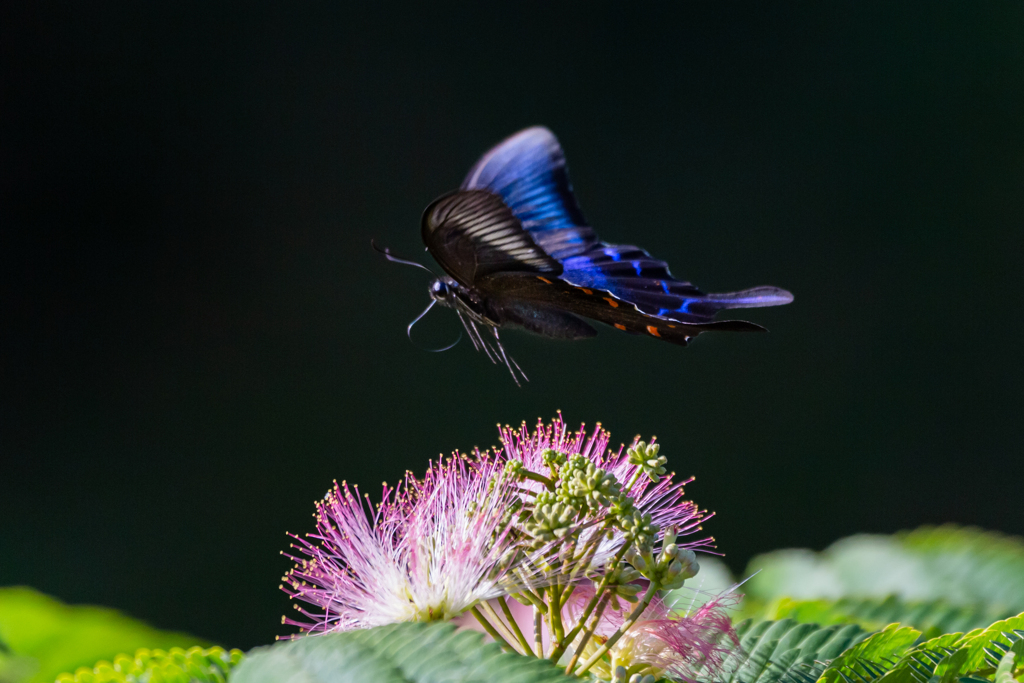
(517, 253)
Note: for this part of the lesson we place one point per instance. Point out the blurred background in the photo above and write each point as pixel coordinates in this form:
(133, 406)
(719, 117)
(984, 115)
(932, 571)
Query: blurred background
(196, 337)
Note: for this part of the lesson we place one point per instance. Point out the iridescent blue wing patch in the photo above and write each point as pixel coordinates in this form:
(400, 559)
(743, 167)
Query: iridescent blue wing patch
(528, 172)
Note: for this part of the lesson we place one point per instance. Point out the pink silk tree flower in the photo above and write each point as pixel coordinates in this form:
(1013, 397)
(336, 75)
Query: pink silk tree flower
(432, 549)
(515, 539)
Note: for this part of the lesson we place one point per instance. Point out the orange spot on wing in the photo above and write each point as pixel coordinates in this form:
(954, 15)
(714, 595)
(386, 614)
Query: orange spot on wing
(672, 326)
(653, 330)
(544, 279)
(620, 327)
(587, 291)
(612, 302)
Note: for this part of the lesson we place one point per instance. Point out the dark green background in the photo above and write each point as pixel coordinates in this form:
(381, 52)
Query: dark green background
(197, 338)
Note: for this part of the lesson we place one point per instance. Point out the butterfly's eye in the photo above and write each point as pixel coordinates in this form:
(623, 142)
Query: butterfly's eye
(438, 289)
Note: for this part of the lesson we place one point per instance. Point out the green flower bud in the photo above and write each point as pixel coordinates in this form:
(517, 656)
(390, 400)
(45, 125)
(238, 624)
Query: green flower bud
(672, 572)
(550, 520)
(552, 458)
(646, 457)
(514, 469)
(621, 506)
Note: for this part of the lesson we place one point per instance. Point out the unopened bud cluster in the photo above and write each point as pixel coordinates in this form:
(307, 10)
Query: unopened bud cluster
(646, 457)
(579, 493)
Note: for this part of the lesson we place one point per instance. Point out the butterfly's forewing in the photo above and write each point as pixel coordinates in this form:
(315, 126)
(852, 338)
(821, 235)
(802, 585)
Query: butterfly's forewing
(525, 292)
(528, 172)
(473, 233)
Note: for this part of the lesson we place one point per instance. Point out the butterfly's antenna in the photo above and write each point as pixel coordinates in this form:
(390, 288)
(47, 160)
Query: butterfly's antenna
(408, 330)
(395, 259)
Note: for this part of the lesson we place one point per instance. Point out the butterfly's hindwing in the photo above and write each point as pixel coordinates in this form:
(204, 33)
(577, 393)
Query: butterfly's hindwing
(525, 291)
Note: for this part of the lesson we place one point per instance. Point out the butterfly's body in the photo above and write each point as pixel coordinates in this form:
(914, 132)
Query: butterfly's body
(517, 253)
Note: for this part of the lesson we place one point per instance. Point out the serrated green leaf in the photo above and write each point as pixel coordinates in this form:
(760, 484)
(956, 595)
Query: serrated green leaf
(976, 641)
(418, 653)
(921, 660)
(785, 651)
(47, 637)
(870, 658)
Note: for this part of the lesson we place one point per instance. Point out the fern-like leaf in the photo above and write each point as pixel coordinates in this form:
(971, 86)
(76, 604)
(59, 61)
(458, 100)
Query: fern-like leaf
(195, 665)
(870, 659)
(785, 651)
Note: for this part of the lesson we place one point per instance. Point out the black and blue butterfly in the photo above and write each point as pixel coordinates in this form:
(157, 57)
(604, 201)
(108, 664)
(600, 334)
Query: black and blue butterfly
(518, 253)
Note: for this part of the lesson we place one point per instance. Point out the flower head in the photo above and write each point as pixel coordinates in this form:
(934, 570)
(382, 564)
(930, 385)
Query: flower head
(430, 550)
(554, 520)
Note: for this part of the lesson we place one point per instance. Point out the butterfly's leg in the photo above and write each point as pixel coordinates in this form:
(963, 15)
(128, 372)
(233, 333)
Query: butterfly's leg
(483, 342)
(472, 337)
(505, 357)
(519, 368)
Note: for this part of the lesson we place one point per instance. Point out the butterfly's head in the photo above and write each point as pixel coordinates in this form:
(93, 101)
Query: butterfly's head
(443, 290)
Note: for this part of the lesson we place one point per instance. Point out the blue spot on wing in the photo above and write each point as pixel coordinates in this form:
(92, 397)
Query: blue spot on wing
(669, 312)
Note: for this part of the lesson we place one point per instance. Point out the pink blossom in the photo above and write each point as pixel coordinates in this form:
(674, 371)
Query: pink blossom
(430, 550)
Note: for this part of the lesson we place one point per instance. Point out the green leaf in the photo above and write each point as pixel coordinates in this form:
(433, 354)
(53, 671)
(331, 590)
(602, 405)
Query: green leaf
(46, 637)
(785, 651)
(983, 566)
(958, 566)
(1004, 673)
(980, 642)
(932, 618)
(886, 656)
(194, 665)
(420, 653)
(920, 662)
(870, 658)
